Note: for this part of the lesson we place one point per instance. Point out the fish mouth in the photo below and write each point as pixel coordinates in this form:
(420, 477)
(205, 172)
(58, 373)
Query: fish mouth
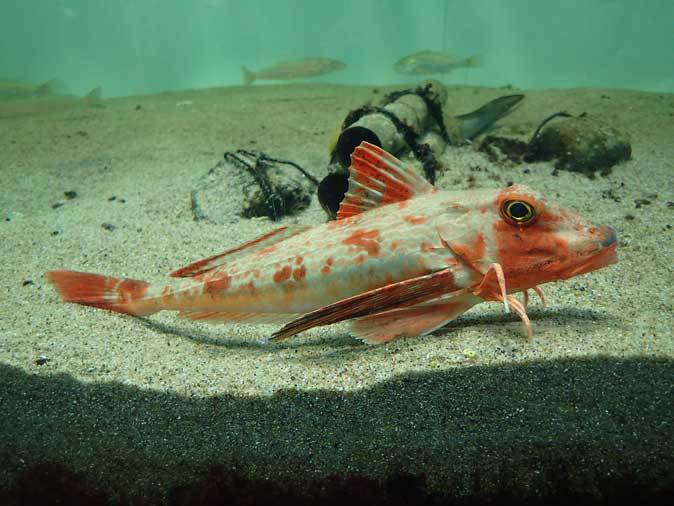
(604, 254)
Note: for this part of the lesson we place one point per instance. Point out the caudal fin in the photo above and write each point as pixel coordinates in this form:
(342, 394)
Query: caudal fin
(248, 76)
(473, 61)
(51, 87)
(116, 294)
(94, 98)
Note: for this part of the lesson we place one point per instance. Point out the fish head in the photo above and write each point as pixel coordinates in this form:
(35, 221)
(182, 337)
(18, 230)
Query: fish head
(406, 65)
(537, 241)
(326, 65)
(337, 65)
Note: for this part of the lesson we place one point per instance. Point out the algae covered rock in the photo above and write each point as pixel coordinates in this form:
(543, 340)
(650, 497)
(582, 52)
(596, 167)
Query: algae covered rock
(507, 145)
(581, 144)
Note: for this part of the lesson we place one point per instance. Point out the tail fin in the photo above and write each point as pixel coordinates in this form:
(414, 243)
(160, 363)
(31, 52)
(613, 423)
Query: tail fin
(94, 98)
(116, 294)
(248, 76)
(474, 61)
(52, 87)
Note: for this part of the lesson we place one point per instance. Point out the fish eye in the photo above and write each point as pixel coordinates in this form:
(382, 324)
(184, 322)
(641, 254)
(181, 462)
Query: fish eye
(518, 211)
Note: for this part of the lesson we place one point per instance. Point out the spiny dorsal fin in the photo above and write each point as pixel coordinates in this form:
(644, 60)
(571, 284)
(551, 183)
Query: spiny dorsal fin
(378, 178)
(264, 241)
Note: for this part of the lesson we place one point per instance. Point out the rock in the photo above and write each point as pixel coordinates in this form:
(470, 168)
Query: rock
(581, 144)
(506, 145)
(263, 187)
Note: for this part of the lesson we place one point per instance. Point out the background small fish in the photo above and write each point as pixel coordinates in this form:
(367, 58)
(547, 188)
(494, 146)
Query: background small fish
(297, 69)
(49, 104)
(10, 90)
(426, 63)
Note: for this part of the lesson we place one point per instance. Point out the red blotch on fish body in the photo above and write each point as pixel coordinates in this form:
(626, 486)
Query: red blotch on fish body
(364, 240)
(298, 260)
(394, 245)
(130, 290)
(252, 273)
(451, 261)
(480, 245)
(325, 270)
(222, 282)
(414, 220)
(283, 274)
(265, 251)
(299, 273)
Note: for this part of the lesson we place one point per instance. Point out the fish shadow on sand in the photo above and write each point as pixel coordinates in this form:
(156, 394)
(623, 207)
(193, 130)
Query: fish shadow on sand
(219, 336)
(579, 316)
(342, 343)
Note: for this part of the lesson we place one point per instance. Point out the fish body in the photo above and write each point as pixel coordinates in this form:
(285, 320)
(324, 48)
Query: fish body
(426, 63)
(297, 69)
(49, 104)
(402, 259)
(12, 90)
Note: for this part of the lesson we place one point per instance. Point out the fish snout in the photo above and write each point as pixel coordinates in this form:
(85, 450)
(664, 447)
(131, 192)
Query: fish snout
(608, 236)
(597, 252)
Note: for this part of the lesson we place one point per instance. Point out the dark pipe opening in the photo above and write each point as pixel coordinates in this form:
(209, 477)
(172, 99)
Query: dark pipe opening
(350, 139)
(331, 191)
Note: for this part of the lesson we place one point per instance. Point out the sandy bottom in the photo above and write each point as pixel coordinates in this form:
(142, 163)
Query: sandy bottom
(141, 406)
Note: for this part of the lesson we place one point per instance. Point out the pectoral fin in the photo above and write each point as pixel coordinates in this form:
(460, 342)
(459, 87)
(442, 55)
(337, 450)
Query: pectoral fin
(409, 292)
(414, 321)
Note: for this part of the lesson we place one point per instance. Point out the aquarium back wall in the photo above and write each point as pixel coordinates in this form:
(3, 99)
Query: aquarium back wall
(146, 46)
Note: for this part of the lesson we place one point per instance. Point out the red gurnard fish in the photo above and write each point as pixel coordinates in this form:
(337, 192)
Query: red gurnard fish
(402, 259)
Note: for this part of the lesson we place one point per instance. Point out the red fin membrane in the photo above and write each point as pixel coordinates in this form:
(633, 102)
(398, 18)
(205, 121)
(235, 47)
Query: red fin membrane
(257, 244)
(105, 292)
(378, 178)
(414, 321)
(229, 317)
(397, 295)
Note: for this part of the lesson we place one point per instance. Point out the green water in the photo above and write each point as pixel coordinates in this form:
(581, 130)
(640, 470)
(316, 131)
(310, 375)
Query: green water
(145, 46)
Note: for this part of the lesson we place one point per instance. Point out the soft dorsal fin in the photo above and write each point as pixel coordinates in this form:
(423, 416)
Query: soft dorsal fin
(264, 241)
(378, 178)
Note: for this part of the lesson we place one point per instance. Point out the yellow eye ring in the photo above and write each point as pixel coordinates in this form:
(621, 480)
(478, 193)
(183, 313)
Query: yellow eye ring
(519, 211)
